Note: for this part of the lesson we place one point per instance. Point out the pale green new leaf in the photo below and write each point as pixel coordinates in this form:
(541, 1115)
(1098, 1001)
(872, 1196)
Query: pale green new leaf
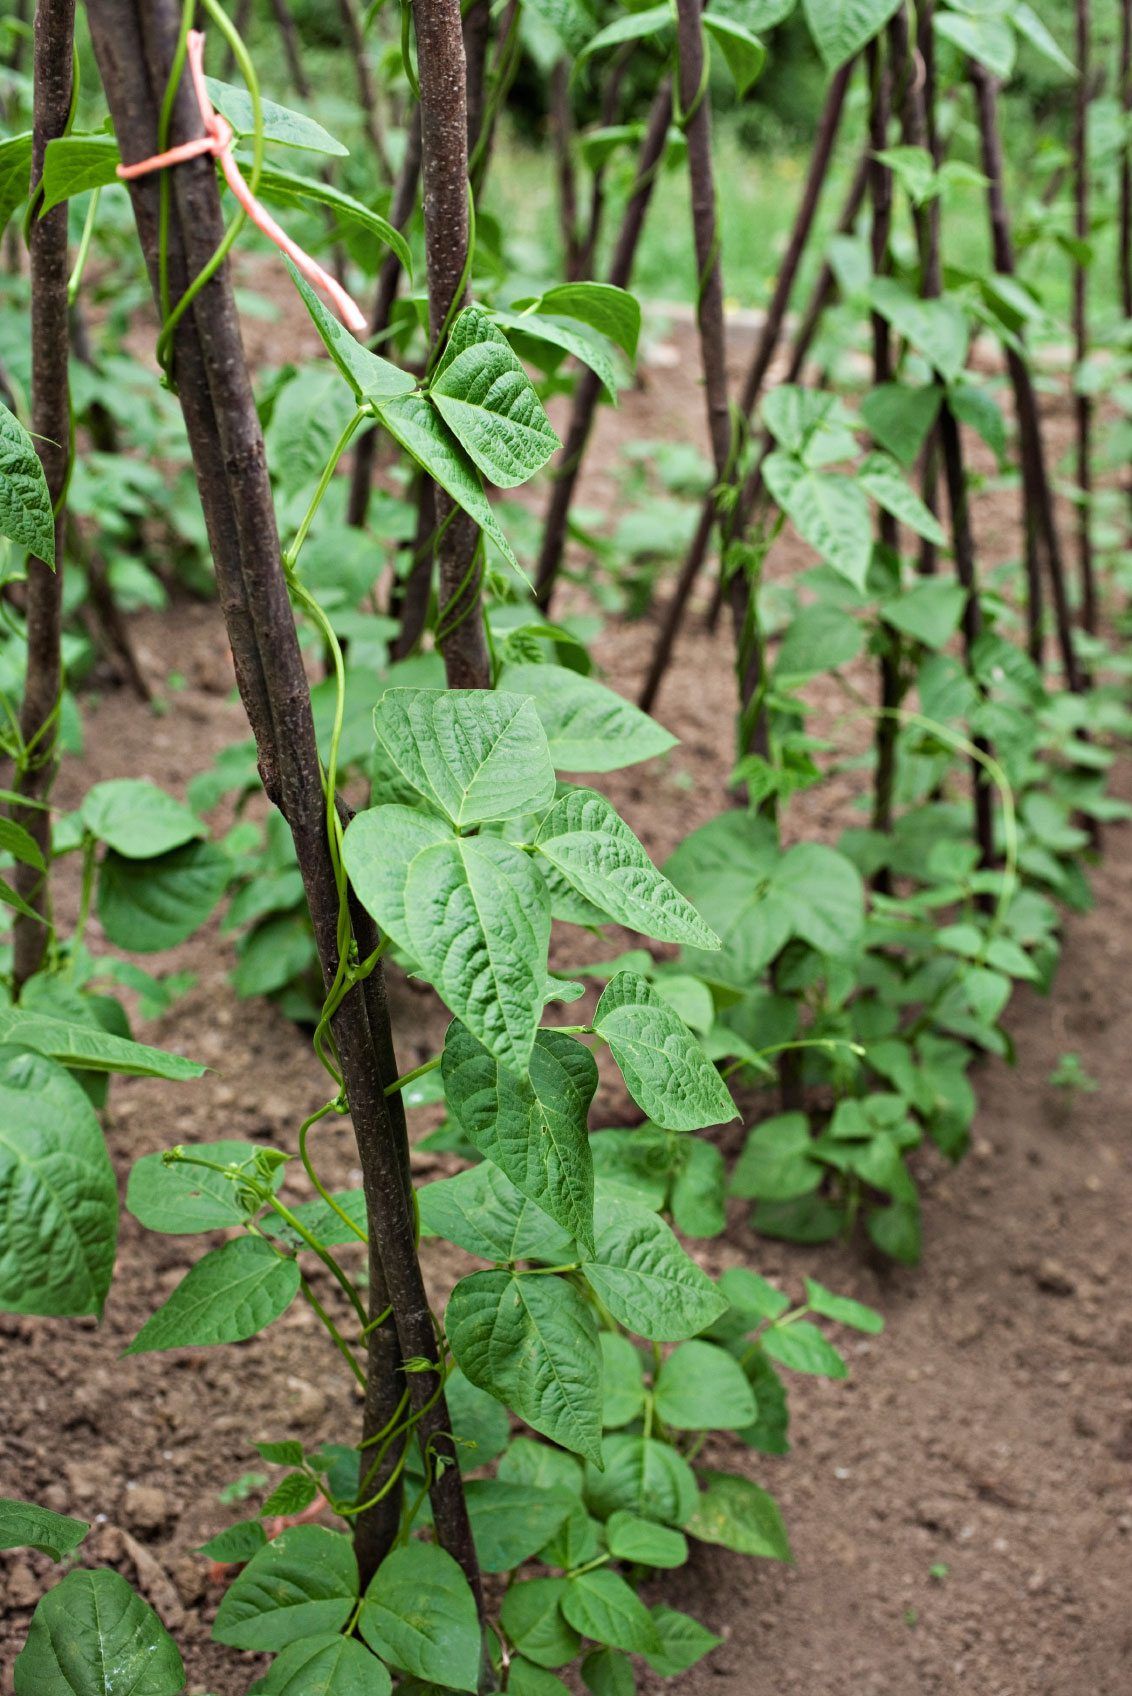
(58, 1198)
(229, 1295)
(533, 1127)
(531, 1341)
(490, 405)
(665, 1070)
(703, 1388)
(840, 28)
(937, 329)
(303, 1583)
(25, 503)
(828, 511)
(426, 438)
(593, 849)
(643, 1276)
(476, 755)
(137, 819)
(739, 1515)
(420, 1615)
(278, 123)
(882, 478)
(94, 1636)
(744, 52)
(24, 1525)
(588, 727)
(371, 377)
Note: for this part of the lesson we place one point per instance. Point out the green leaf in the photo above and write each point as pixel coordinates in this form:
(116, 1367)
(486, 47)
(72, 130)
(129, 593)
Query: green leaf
(929, 611)
(752, 1296)
(596, 853)
(322, 1221)
(303, 1583)
(989, 40)
(644, 1277)
(147, 906)
(633, 26)
(901, 418)
(526, 1679)
(840, 28)
(622, 1380)
(483, 1213)
(325, 1665)
(476, 755)
(740, 1515)
(601, 1605)
(93, 1636)
(489, 403)
(23, 1525)
(531, 1616)
(15, 175)
(684, 1641)
(1028, 24)
(472, 911)
(292, 1495)
(228, 1296)
(818, 638)
(937, 329)
(725, 868)
(559, 333)
(843, 1309)
(744, 52)
(289, 189)
(776, 1164)
(533, 1127)
(611, 311)
(512, 1522)
(531, 1341)
(607, 1672)
(588, 727)
(702, 1388)
(811, 424)
(419, 1614)
(571, 21)
(665, 1070)
(426, 439)
(279, 123)
(981, 411)
(137, 819)
(644, 1542)
(180, 1198)
(58, 1197)
(26, 517)
(73, 164)
(237, 1543)
(822, 894)
(881, 478)
(369, 376)
(803, 1348)
(20, 844)
(642, 1476)
(828, 511)
(699, 1189)
(86, 1048)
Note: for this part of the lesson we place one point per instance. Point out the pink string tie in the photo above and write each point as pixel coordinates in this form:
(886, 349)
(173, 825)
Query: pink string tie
(217, 140)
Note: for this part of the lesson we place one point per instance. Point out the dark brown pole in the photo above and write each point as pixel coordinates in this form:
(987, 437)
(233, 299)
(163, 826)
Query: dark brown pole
(1082, 404)
(1037, 494)
(920, 129)
(956, 479)
(612, 84)
(51, 426)
(588, 389)
(134, 42)
(444, 154)
(358, 48)
(290, 38)
(709, 295)
(560, 120)
(1124, 258)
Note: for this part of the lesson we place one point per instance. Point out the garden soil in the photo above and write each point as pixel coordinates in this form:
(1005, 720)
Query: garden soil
(960, 1508)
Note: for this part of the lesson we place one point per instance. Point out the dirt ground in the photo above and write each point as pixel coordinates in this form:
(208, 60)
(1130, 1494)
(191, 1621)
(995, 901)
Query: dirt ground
(960, 1509)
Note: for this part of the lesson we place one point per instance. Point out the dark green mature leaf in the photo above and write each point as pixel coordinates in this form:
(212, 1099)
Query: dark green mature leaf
(601, 1605)
(279, 123)
(822, 893)
(803, 1348)
(645, 1278)
(137, 819)
(828, 510)
(489, 403)
(901, 418)
(526, 1679)
(483, 1213)
(86, 1048)
(181, 1198)
(588, 727)
(20, 844)
(644, 1541)
(776, 1164)
(419, 1613)
(840, 28)
(94, 1636)
(929, 611)
(476, 755)
(607, 1672)
(325, 1665)
(532, 1617)
(58, 1197)
(741, 1516)
(426, 438)
(150, 905)
(594, 850)
(512, 1522)
(25, 502)
(74, 164)
(534, 1127)
(472, 911)
(231, 1294)
(371, 377)
(990, 40)
(699, 1189)
(15, 175)
(843, 1309)
(703, 1388)
(622, 1380)
(632, 26)
(684, 1641)
(642, 1476)
(665, 1070)
(559, 333)
(302, 1584)
(23, 1525)
(531, 1341)
(611, 311)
